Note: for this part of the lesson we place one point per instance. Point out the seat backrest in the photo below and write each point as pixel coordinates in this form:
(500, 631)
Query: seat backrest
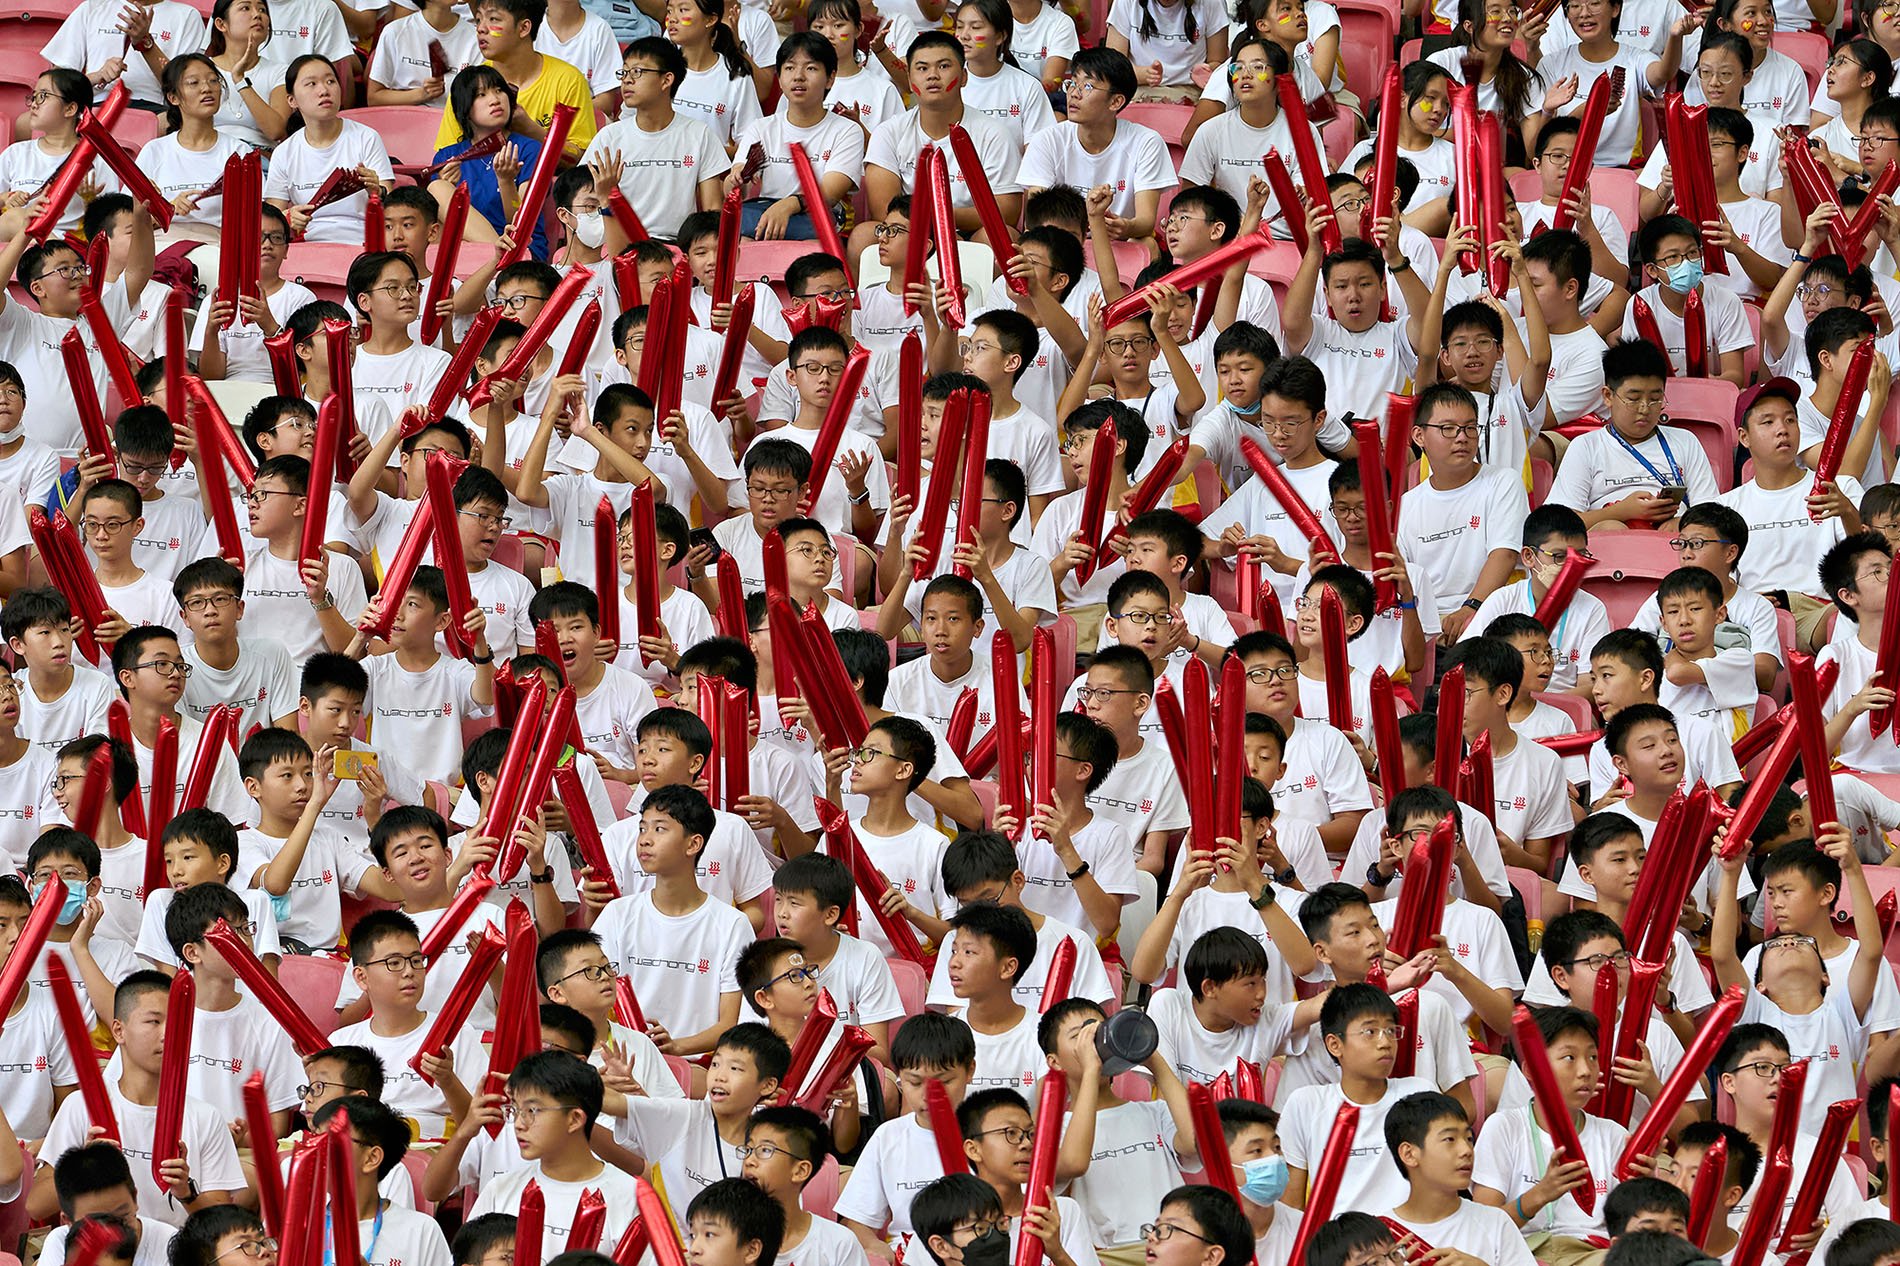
(313, 980)
(1576, 707)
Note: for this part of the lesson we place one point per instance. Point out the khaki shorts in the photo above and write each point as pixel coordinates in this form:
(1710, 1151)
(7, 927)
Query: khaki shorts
(1810, 620)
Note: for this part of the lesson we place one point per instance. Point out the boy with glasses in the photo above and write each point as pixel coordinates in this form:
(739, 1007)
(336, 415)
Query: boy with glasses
(999, 1137)
(1323, 780)
(667, 164)
(1147, 800)
(1464, 521)
(283, 592)
(151, 672)
(382, 519)
(1598, 226)
(777, 475)
(574, 971)
(1292, 416)
(110, 520)
(54, 274)
(1095, 148)
(852, 496)
(1748, 1070)
(1467, 343)
(898, 754)
(1636, 470)
(1671, 249)
(253, 674)
(236, 353)
(1791, 987)
(388, 966)
(171, 531)
(1714, 537)
(1550, 533)
(999, 350)
(784, 1149)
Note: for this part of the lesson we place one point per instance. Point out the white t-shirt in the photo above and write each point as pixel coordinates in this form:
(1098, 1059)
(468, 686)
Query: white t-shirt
(680, 966)
(277, 607)
(401, 60)
(310, 913)
(27, 806)
(726, 103)
(1487, 1233)
(298, 169)
(1371, 1180)
(26, 166)
(207, 1145)
(560, 1202)
(91, 37)
(896, 144)
(1324, 778)
(1170, 44)
(1601, 467)
(661, 171)
(835, 146)
(262, 681)
(1227, 151)
(404, 1090)
(1134, 1151)
(1134, 161)
(593, 51)
(1453, 532)
(420, 713)
(898, 1161)
(1513, 1145)
(1011, 100)
(177, 170)
(1584, 623)
(1619, 138)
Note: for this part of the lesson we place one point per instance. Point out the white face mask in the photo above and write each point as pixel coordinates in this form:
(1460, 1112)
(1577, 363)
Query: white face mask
(590, 229)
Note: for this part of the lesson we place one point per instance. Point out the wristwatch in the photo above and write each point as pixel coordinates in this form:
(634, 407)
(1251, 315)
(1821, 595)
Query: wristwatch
(1471, 604)
(1286, 876)
(328, 603)
(1378, 878)
(1265, 899)
(1078, 872)
(860, 498)
(543, 877)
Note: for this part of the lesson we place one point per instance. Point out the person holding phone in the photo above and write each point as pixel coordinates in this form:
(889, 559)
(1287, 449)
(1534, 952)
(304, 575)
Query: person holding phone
(1634, 472)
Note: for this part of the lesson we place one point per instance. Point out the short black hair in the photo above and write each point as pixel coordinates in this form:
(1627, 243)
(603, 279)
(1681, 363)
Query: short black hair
(362, 1066)
(1642, 1195)
(1348, 1235)
(400, 819)
(1744, 1154)
(1616, 731)
(194, 910)
(1006, 928)
(1347, 1003)
(954, 1198)
(478, 1235)
(1411, 1119)
(978, 1104)
(933, 1041)
(743, 1207)
(1842, 561)
(820, 876)
(1219, 955)
(1865, 1242)
(1222, 1223)
(375, 927)
(568, 1080)
(1326, 901)
(801, 1127)
(376, 1120)
(88, 1169)
(975, 858)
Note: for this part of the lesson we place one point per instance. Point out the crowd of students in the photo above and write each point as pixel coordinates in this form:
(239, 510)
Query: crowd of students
(653, 809)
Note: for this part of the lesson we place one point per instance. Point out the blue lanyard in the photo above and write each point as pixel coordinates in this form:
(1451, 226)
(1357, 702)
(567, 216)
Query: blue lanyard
(329, 1241)
(1675, 472)
(1557, 634)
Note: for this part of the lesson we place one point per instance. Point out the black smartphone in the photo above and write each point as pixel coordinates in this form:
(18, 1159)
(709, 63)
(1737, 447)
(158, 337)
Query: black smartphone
(704, 536)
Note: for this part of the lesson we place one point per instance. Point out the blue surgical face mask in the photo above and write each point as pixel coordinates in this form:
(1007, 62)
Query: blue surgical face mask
(75, 902)
(1264, 1180)
(1685, 275)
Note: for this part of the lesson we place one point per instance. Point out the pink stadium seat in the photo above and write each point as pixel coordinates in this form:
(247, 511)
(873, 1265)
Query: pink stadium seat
(1612, 187)
(313, 981)
(820, 1196)
(1576, 707)
(322, 266)
(1809, 49)
(1530, 887)
(417, 1163)
(1367, 29)
(1705, 407)
(1166, 117)
(408, 132)
(912, 986)
(1628, 566)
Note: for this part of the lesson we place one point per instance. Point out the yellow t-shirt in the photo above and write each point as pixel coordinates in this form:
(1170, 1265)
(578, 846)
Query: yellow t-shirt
(558, 84)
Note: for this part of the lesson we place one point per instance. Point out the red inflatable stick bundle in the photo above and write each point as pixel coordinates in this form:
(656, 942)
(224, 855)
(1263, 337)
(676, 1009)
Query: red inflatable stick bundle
(824, 228)
(1299, 126)
(1596, 107)
(1192, 274)
(842, 843)
(1297, 511)
(976, 179)
(1534, 1060)
(58, 191)
(1385, 160)
(1323, 1191)
(1563, 587)
(1840, 423)
(1421, 908)
(1686, 134)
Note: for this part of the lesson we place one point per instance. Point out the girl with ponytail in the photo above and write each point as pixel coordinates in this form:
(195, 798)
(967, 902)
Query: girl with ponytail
(719, 89)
